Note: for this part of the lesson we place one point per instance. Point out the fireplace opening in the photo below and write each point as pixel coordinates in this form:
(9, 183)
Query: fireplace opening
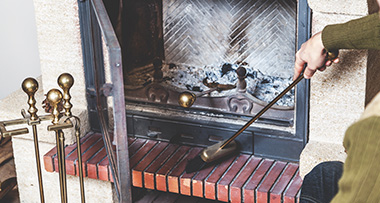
(193, 46)
(139, 56)
(235, 56)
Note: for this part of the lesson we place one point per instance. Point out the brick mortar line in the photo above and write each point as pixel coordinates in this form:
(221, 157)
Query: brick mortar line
(178, 162)
(237, 175)
(221, 177)
(290, 183)
(249, 179)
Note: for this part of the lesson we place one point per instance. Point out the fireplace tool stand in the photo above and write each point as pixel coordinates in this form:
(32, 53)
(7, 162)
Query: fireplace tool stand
(59, 120)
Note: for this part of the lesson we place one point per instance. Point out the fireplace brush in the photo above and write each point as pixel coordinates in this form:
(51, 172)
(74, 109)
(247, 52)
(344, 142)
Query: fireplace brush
(229, 146)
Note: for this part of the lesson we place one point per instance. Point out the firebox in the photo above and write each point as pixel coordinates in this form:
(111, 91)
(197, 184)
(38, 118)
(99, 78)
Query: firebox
(233, 57)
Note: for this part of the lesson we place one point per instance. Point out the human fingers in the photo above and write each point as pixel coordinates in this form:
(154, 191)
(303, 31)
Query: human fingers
(328, 63)
(322, 68)
(298, 66)
(336, 60)
(309, 72)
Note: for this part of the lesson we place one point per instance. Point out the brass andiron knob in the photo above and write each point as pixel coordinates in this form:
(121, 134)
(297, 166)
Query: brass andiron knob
(30, 87)
(186, 99)
(54, 97)
(66, 81)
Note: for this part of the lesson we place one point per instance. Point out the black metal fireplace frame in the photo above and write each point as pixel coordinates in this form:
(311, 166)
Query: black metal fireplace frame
(94, 25)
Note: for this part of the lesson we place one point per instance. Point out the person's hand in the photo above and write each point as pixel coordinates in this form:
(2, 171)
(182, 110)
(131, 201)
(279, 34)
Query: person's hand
(312, 53)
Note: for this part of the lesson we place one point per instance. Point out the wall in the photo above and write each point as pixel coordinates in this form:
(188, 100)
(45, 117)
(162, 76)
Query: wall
(19, 50)
(338, 95)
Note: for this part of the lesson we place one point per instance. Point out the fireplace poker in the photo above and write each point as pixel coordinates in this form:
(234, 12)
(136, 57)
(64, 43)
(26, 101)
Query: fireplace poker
(54, 97)
(30, 87)
(65, 82)
(227, 147)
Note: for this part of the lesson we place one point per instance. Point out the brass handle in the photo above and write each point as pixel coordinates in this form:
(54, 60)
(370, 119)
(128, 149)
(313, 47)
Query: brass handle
(30, 87)
(54, 97)
(66, 81)
(331, 55)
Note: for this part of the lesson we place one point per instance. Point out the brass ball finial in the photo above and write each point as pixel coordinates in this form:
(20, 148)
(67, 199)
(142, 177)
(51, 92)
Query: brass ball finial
(54, 97)
(186, 99)
(65, 81)
(30, 86)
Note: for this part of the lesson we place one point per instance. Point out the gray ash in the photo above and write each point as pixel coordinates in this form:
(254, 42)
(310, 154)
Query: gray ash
(264, 87)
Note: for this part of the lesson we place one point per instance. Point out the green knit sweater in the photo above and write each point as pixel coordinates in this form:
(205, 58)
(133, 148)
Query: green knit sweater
(360, 181)
(363, 33)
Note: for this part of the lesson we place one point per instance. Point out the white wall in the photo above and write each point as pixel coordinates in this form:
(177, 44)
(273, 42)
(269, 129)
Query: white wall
(18, 45)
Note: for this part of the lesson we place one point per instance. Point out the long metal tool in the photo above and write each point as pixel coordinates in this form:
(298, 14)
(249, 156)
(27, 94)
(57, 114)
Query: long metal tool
(330, 56)
(30, 87)
(260, 113)
(224, 148)
(54, 97)
(65, 82)
(59, 121)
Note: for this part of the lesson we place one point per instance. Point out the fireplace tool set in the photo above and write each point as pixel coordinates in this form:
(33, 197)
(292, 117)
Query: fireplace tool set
(229, 146)
(58, 101)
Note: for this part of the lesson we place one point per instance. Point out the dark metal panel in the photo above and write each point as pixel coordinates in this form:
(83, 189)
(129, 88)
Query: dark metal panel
(303, 87)
(89, 60)
(95, 24)
(276, 147)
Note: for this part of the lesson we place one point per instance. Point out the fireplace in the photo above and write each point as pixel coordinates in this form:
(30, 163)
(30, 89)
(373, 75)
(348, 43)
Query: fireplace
(167, 48)
(60, 47)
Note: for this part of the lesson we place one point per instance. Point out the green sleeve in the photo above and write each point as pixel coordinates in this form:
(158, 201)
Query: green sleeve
(360, 181)
(362, 33)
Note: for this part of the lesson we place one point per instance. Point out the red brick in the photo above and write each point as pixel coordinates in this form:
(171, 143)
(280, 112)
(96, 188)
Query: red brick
(165, 169)
(135, 158)
(173, 176)
(149, 173)
(49, 160)
(186, 182)
(137, 172)
(103, 169)
(236, 186)
(278, 189)
(267, 183)
(210, 184)
(135, 146)
(224, 182)
(86, 155)
(92, 164)
(198, 181)
(68, 150)
(85, 144)
(255, 179)
(131, 140)
(293, 189)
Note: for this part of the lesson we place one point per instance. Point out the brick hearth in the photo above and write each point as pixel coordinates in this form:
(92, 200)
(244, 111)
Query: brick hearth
(160, 166)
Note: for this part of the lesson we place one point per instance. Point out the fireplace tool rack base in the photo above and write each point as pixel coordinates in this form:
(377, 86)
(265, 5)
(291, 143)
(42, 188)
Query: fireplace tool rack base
(160, 165)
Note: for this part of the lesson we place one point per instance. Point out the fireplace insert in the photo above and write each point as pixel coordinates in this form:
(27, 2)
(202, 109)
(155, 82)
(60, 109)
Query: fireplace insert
(232, 56)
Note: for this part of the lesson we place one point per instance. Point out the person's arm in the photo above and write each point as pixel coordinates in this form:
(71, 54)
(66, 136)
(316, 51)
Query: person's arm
(363, 33)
